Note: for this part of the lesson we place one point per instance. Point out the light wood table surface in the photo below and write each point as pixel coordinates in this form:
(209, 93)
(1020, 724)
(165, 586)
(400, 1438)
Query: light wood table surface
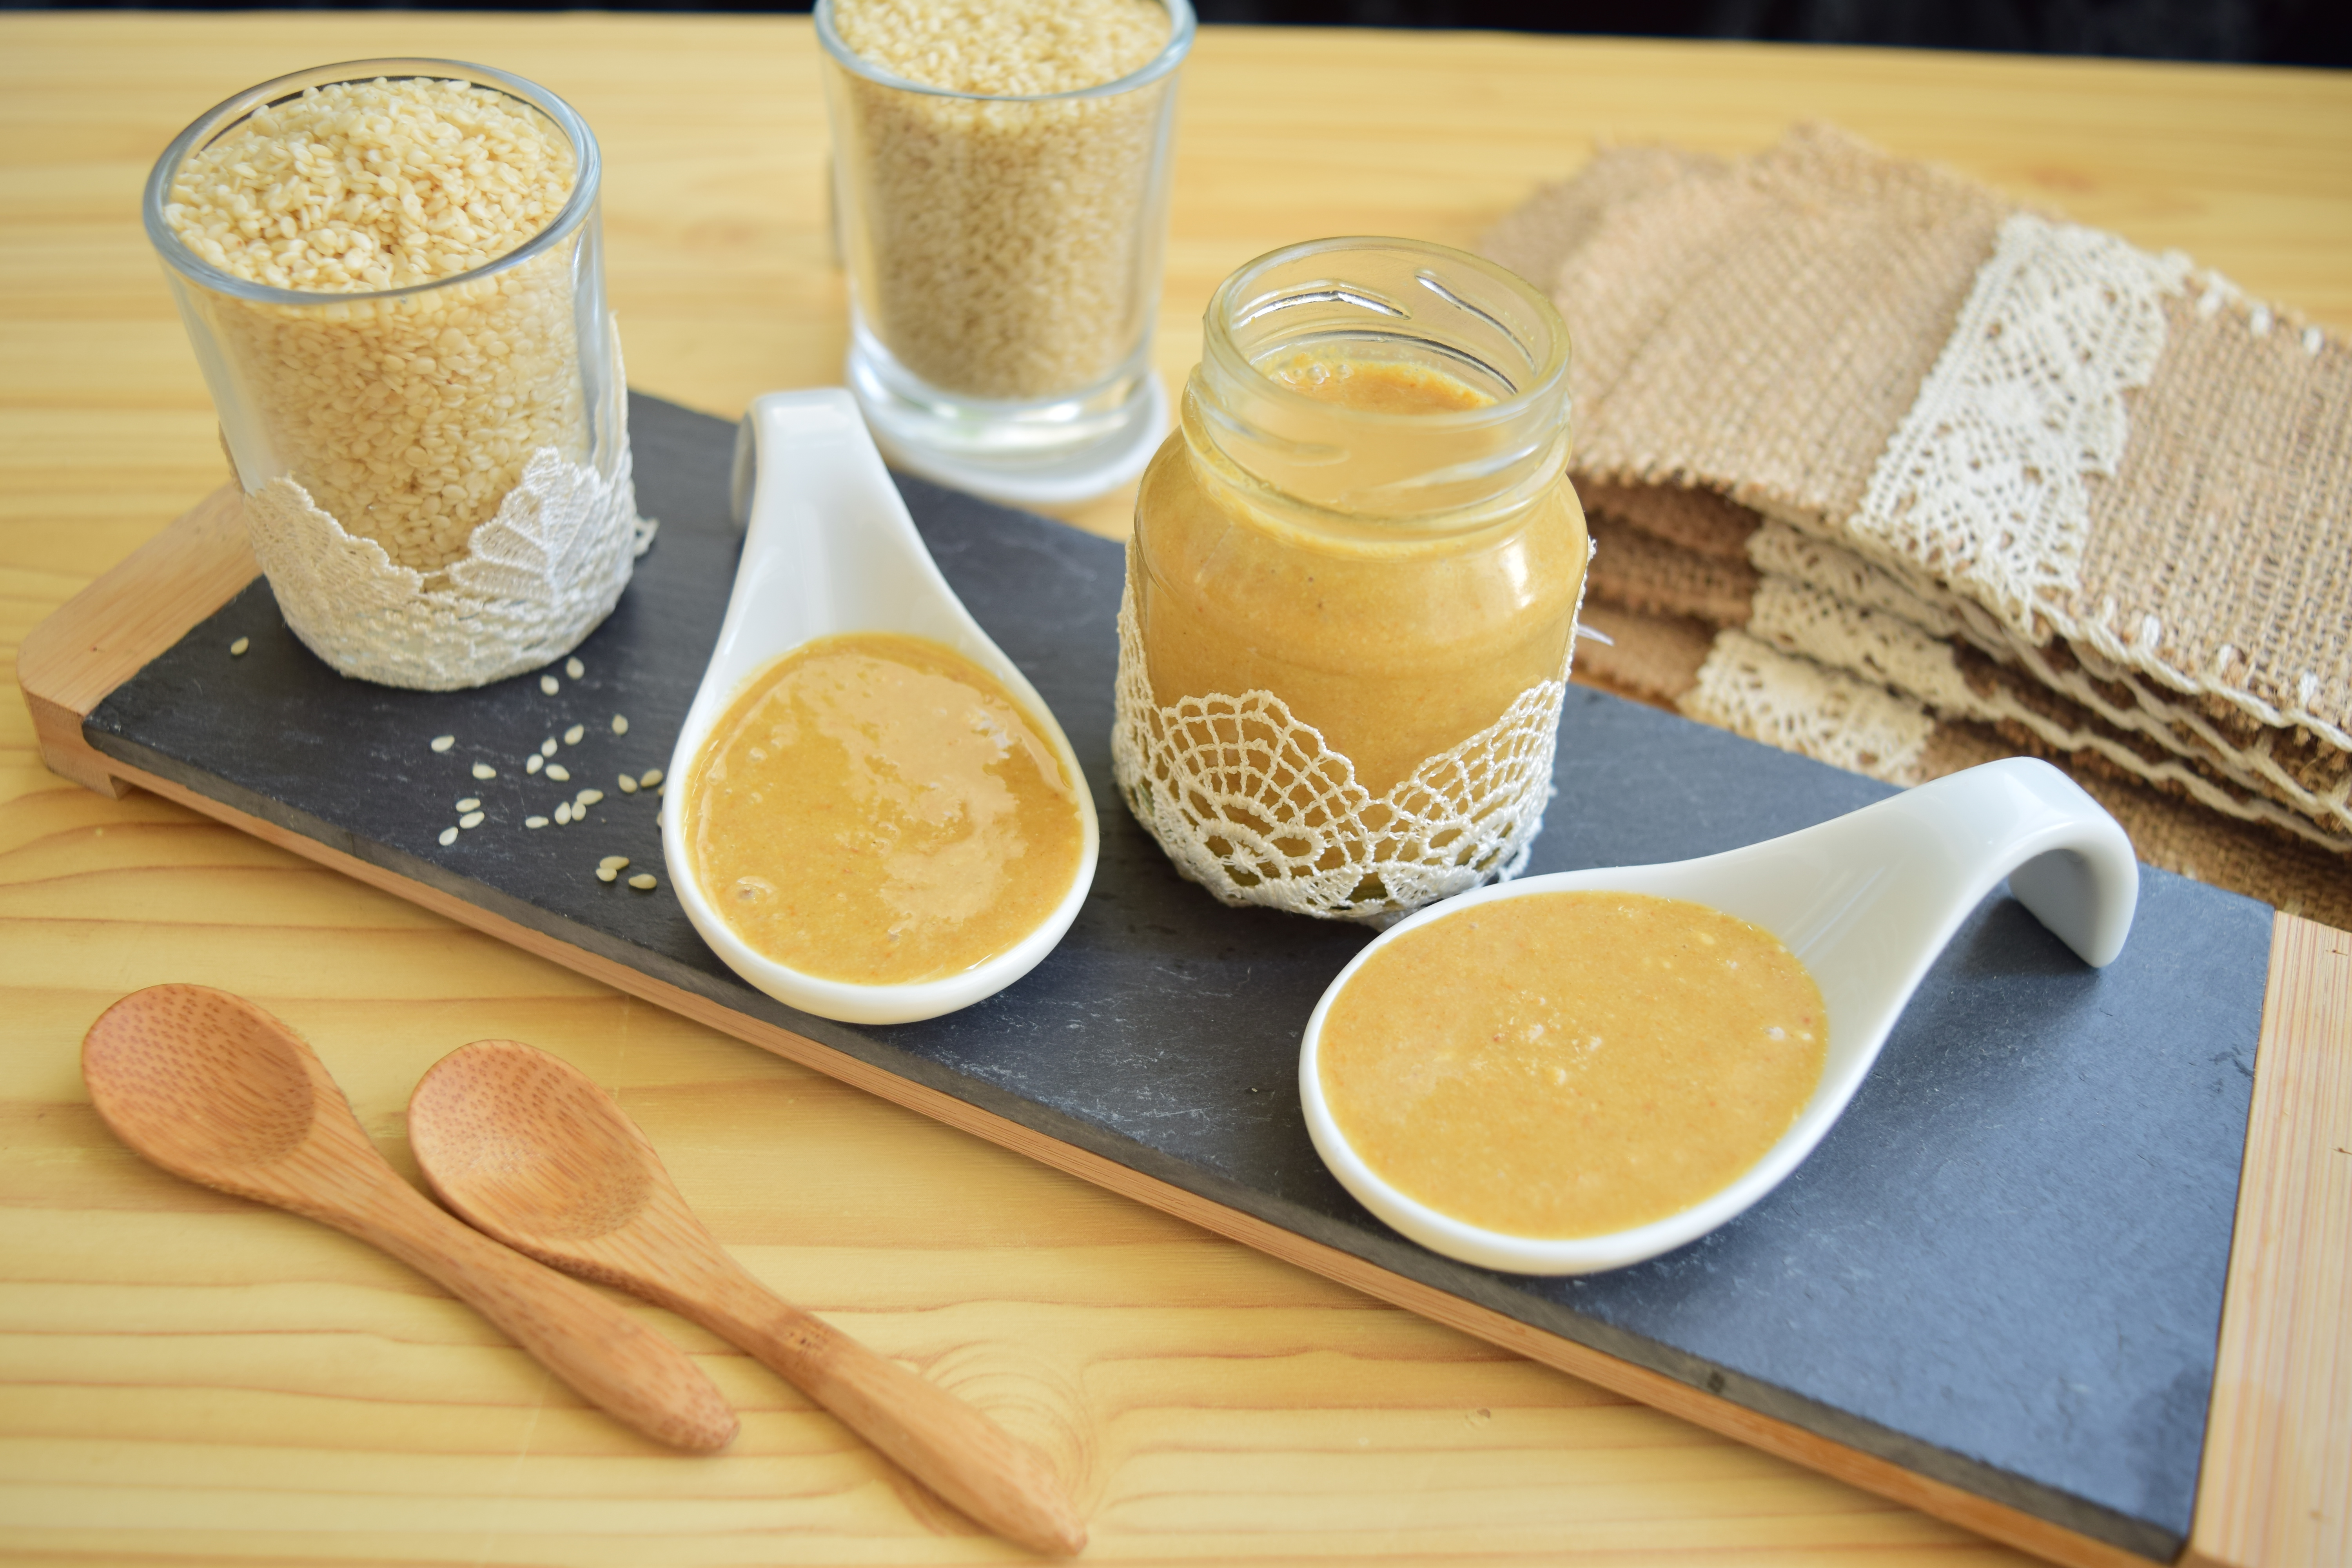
(184, 1377)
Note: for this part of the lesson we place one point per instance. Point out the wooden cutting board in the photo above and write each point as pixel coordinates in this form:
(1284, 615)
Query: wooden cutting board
(2004, 1290)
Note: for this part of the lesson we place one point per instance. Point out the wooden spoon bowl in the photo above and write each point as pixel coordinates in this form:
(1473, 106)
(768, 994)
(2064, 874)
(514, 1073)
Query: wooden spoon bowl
(205, 1086)
(544, 1151)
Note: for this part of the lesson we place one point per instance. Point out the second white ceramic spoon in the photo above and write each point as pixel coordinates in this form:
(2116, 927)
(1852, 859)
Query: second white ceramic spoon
(1865, 901)
(830, 549)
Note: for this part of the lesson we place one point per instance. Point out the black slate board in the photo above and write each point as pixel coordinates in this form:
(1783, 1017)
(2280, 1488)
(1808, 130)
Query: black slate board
(2003, 1270)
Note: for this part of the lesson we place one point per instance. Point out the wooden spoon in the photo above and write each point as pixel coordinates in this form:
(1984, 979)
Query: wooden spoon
(524, 1145)
(210, 1087)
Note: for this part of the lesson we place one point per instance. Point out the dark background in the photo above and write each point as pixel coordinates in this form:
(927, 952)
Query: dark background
(2270, 32)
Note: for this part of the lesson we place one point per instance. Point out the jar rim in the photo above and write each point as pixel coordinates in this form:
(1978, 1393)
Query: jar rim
(1181, 26)
(1228, 309)
(223, 116)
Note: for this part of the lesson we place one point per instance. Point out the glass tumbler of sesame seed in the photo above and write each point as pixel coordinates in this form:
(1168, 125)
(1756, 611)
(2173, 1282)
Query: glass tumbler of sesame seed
(391, 273)
(1001, 196)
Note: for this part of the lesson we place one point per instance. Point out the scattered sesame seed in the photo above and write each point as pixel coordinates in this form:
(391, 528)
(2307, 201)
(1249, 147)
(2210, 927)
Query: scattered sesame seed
(550, 685)
(471, 819)
(534, 822)
(559, 772)
(448, 836)
(574, 668)
(586, 798)
(469, 803)
(628, 785)
(536, 763)
(572, 736)
(547, 747)
(563, 813)
(484, 771)
(605, 873)
(237, 649)
(620, 724)
(614, 862)
(643, 881)
(443, 742)
(649, 778)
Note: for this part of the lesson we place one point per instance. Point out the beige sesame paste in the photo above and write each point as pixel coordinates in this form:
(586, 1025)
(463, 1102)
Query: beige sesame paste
(1376, 386)
(876, 808)
(1396, 646)
(1571, 1064)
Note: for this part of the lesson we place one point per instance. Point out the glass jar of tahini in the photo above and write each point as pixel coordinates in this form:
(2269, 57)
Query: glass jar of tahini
(1352, 588)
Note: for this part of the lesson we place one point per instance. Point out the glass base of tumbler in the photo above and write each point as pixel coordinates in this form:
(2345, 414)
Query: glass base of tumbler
(1048, 453)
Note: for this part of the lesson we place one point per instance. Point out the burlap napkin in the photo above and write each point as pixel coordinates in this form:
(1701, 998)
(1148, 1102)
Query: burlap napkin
(1929, 478)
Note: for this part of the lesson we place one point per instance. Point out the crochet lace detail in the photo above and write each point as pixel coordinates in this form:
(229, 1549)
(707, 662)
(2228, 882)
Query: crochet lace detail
(1983, 483)
(1752, 689)
(536, 579)
(1251, 803)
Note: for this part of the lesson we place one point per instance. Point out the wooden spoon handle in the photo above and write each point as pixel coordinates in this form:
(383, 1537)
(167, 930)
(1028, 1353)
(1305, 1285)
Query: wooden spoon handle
(614, 1360)
(936, 1437)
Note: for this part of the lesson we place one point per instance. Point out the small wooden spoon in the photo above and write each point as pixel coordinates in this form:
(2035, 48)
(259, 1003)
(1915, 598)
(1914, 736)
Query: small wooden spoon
(213, 1089)
(526, 1147)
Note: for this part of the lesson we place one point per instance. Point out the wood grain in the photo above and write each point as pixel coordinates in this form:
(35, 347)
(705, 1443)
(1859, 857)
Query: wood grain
(99, 638)
(2278, 1482)
(2302, 1012)
(1890, 1480)
(184, 1377)
(1210, 1403)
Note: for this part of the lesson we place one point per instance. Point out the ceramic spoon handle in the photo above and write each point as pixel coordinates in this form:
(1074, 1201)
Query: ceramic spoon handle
(614, 1360)
(936, 1437)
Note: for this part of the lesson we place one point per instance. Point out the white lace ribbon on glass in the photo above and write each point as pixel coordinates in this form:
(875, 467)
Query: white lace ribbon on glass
(1251, 803)
(536, 579)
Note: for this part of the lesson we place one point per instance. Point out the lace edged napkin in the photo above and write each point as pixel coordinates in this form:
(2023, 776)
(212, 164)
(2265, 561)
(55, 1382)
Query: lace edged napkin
(1917, 476)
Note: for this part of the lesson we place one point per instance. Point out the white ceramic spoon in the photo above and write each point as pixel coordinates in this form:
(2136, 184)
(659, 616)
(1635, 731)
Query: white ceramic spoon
(1867, 901)
(829, 549)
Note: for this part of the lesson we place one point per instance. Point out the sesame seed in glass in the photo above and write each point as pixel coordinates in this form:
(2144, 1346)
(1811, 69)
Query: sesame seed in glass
(390, 271)
(1001, 187)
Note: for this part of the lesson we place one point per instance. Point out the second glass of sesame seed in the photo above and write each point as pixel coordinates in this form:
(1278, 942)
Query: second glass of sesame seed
(1001, 184)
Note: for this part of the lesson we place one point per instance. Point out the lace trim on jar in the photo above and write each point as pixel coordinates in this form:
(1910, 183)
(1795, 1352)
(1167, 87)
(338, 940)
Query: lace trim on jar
(1201, 774)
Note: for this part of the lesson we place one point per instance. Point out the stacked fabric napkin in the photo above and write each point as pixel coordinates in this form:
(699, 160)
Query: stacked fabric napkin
(1889, 469)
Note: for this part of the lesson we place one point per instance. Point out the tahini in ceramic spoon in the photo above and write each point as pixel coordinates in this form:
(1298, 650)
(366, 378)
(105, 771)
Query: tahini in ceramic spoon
(829, 550)
(526, 1147)
(1865, 901)
(213, 1089)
